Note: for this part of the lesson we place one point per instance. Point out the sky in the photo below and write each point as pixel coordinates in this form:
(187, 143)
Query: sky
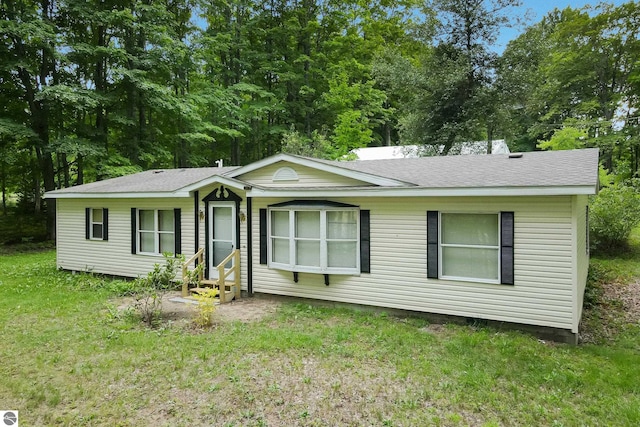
(534, 10)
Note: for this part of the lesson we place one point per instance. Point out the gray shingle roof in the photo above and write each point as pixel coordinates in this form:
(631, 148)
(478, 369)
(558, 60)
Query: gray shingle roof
(158, 180)
(531, 169)
(538, 169)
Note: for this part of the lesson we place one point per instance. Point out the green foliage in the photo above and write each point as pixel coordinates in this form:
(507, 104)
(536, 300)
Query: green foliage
(150, 290)
(566, 138)
(193, 278)
(19, 227)
(317, 145)
(613, 214)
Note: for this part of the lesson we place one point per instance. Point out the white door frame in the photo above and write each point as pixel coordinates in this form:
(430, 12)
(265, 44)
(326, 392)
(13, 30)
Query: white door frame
(213, 271)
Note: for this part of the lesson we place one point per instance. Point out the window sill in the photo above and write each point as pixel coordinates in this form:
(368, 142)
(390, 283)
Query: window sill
(332, 271)
(152, 254)
(471, 280)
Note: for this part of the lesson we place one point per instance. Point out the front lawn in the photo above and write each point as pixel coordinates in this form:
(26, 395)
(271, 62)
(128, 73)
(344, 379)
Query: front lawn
(69, 357)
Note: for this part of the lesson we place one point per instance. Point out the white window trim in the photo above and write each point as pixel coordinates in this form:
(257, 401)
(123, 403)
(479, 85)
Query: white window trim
(441, 245)
(324, 268)
(92, 222)
(156, 232)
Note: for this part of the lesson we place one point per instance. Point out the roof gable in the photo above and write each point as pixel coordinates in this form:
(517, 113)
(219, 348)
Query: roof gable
(335, 168)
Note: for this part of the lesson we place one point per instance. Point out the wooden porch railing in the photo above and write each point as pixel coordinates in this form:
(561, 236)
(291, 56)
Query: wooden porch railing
(222, 283)
(199, 256)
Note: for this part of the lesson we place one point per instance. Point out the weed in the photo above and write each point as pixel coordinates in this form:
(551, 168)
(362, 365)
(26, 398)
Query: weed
(152, 288)
(206, 306)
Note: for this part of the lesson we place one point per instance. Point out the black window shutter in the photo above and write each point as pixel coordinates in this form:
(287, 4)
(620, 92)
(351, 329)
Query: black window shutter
(134, 213)
(263, 236)
(506, 248)
(105, 224)
(177, 229)
(87, 223)
(432, 244)
(365, 242)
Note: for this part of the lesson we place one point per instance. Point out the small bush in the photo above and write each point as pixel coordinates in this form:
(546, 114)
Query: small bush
(151, 289)
(206, 306)
(614, 212)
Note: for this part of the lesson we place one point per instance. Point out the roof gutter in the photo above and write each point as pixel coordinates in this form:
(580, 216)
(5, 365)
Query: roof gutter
(424, 192)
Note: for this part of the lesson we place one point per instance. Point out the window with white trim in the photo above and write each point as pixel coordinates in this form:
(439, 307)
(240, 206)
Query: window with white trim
(314, 240)
(469, 246)
(96, 224)
(156, 231)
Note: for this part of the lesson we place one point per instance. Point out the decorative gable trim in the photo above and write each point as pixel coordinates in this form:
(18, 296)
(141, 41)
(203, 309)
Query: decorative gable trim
(222, 194)
(285, 173)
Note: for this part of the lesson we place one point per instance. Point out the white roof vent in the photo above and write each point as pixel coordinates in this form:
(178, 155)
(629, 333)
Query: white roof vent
(285, 174)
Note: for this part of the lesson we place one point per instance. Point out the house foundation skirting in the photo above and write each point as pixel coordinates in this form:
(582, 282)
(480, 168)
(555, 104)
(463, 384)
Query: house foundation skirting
(541, 332)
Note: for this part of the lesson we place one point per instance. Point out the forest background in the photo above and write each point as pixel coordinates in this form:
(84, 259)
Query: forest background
(96, 89)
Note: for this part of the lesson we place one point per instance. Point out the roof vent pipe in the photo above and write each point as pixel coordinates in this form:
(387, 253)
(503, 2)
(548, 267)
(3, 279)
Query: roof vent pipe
(219, 163)
(515, 155)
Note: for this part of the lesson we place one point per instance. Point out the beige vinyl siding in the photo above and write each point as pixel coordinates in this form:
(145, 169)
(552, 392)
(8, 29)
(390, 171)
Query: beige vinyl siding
(580, 204)
(307, 177)
(542, 294)
(114, 256)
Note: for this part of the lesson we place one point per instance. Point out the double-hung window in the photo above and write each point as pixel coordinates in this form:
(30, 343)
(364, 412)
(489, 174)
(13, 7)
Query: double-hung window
(96, 224)
(156, 231)
(470, 247)
(473, 247)
(315, 240)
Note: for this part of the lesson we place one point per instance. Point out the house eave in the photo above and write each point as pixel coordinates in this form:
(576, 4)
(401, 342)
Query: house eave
(216, 179)
(127, 195)
(423, 192)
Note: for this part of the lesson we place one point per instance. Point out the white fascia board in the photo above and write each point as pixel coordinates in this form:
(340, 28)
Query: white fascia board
(310, 163)
(216, 179)
(423, 192)
(149, 195)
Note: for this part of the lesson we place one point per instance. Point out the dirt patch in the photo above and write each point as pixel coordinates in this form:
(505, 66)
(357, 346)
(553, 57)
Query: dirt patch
(629, 296)
(243, 310)
(618, 307)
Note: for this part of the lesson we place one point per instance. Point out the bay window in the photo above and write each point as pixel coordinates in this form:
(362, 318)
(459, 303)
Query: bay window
(314, 239)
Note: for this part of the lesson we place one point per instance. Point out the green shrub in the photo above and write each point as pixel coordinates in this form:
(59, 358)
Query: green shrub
(598, 275)
(151, 289)
(614, 212)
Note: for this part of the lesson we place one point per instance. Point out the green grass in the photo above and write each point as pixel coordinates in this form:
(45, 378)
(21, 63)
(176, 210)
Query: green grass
(623, 266)
(70, 358)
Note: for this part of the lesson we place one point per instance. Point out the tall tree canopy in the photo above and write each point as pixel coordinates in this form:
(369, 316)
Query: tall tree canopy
(100, 88)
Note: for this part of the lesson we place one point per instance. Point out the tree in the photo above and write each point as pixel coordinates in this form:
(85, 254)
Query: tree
(454, 104)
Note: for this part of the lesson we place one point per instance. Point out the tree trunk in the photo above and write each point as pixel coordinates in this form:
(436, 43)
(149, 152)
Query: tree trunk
(3, 185)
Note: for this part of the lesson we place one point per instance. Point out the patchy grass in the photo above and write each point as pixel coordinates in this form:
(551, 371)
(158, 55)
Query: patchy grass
(612, 295)
(70, 358)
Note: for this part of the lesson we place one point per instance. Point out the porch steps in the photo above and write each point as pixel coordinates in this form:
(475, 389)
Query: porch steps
(208, 284)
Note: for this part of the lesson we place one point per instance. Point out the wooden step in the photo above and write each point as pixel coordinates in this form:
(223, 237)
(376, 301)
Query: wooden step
(209, 282)
(199, 290)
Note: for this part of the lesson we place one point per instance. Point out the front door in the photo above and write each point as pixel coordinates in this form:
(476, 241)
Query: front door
(222, 235)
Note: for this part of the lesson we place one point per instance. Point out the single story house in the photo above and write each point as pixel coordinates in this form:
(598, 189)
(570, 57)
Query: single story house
(497, 237)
